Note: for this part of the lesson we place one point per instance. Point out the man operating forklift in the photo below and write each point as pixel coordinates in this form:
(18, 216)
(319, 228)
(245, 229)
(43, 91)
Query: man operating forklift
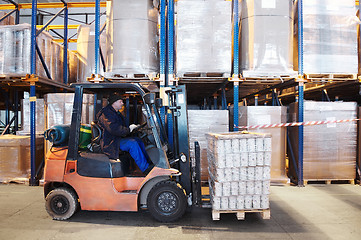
(116, 137)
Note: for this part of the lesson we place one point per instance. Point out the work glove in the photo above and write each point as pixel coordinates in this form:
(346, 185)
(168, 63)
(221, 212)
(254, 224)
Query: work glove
(132, 127)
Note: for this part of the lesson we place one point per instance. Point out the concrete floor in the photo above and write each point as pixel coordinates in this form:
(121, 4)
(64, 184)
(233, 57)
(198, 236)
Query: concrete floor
(313, 212)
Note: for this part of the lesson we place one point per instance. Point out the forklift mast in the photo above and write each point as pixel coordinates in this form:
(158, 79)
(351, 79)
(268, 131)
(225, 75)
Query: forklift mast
(178, 106)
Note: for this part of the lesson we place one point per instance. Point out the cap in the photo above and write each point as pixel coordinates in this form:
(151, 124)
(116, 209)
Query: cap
(114, 97)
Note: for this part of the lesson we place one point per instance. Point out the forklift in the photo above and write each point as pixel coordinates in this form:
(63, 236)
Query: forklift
(87, 179)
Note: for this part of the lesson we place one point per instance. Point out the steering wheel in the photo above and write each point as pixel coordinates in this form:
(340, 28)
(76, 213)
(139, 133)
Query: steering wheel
(140, 127)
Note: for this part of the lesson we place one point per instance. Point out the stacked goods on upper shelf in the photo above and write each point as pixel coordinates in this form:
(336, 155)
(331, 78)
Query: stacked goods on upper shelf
(132, 38)
(15, 60)
(329, 37)
(203, 34)
(266, 45)
(331, 148)
(86, 51)
(239, 169)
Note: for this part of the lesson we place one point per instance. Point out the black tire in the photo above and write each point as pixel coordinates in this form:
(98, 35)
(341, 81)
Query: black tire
(61, 203)
(166, 201)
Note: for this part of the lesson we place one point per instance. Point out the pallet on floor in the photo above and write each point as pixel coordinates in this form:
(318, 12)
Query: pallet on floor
(280, 182)
(328, 181)
(265, 213)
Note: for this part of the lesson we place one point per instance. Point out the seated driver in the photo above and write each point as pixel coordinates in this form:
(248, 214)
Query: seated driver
(115, 134)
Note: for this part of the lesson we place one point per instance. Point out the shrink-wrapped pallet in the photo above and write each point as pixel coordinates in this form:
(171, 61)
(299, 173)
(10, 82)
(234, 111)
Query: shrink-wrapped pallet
(15, 157)
(15, 44)
(25, 117)
(329, 37)
(86, 51)
(203, 37)
(59, 108)
(201, 122)
(330, 149)
(132, 39)
(263, 115)
(266, 45)
(251, 189)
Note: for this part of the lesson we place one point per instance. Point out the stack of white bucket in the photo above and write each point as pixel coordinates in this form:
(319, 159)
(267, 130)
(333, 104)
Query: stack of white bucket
(239, 170)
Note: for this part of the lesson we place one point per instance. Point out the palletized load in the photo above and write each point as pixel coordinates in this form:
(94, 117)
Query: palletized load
(15, 60)
(329, 37)
(265, 115)
(15, 157)
(203, 37)
(239, 169)
(266, 46)
(331, 148)
(132, 39)
(86, 51)
(201, 122)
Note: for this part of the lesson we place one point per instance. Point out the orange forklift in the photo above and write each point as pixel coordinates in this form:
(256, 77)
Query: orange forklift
(87, 179)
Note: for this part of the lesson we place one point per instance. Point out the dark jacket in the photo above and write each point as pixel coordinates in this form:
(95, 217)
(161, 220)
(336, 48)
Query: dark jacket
(114, 127)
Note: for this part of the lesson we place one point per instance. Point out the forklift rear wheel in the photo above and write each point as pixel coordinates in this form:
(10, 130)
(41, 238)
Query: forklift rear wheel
(167, 201)
(61, 203)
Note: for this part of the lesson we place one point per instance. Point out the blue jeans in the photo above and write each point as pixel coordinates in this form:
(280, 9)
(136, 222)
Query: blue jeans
(136, 148)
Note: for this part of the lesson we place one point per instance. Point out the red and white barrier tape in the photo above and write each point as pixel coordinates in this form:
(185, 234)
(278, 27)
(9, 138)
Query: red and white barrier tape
(296, 124)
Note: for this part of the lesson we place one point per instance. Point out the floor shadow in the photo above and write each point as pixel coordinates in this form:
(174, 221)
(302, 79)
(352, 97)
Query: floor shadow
(342, 194)
(200, 220)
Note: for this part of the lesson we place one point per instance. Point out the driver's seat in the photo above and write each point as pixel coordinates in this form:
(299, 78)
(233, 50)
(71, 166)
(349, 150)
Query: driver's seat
(96, 132)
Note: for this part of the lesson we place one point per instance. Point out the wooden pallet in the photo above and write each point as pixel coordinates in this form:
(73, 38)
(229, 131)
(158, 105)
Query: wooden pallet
(331, 76)
(329, 181)
(130, 75)
(280, 182)
(265, 213)
(204, 75)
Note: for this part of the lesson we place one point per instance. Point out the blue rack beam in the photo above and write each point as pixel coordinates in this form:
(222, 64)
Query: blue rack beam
(235, 65)
(300, 93)
(33, 51)
(65, 49)
(97, 34)
(32, 181)
(170, 42)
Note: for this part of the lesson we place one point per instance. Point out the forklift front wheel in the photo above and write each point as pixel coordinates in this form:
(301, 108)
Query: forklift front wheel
(61, 203)
(166, 201)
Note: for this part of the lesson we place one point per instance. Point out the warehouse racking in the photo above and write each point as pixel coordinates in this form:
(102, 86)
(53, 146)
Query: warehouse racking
(255, 90)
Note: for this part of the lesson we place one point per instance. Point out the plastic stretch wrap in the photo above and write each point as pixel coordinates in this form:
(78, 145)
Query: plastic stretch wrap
(329, 149)
(236, 187)
(25, 117)
(86, 50)
(329, 37)
(15, 156)
(203, 37)
(256, 115)
(201, 122)
(59, 108)
(132, 40)
(15, 43)
(266, 45)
